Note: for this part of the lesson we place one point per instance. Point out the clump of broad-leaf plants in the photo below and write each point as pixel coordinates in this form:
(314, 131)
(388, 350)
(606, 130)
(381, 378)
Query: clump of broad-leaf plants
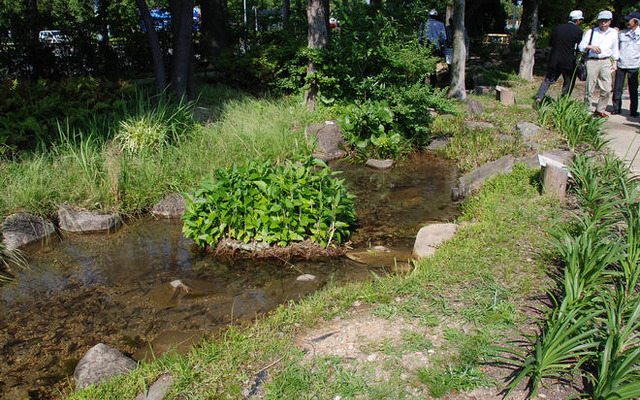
(593, 330)
(275, 204)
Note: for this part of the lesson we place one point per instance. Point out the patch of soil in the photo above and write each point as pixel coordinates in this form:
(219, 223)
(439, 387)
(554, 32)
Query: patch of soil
(360, 340)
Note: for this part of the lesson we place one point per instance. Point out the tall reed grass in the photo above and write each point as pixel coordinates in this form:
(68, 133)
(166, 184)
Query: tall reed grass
(93, 168)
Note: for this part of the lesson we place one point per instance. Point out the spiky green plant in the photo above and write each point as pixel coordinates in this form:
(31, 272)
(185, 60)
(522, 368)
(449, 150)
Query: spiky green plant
(571, 118)
(618, 360)
(564, 343)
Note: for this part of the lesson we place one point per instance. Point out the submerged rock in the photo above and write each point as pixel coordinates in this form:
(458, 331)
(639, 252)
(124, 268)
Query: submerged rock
(171, 206)
(379, 164)
(100, 364)
(306, 278)
(430, 237)
(23, 228)
(83, 221)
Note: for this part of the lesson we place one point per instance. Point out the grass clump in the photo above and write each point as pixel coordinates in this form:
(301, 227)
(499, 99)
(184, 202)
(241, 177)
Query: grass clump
(278, 204)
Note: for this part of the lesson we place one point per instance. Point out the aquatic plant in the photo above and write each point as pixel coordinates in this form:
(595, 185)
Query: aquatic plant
(273, 204)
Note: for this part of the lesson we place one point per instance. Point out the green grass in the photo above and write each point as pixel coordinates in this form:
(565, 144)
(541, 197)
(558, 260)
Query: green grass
(95, 173)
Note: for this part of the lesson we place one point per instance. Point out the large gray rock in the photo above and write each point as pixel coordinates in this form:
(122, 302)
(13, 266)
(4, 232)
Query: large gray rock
(330, 140)
(430, 237)
(527, 130)
(100, 364)
(474, 179)
(159, 389)
(474, 107)
(438, 143)
(23, 228)
(83, 221)
(171, 206)
(478, 125)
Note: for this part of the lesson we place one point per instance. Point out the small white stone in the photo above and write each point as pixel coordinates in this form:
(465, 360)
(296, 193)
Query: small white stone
(372, 357)
(357, 303)
(306, 278)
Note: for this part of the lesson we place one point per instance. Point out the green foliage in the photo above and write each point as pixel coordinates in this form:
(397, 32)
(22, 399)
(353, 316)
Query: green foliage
(572, 119)
(369, 127)
(31, 111)
(441, 382)
(273, 204)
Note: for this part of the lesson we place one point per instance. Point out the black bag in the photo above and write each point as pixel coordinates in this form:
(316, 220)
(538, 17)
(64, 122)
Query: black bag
(581, 67)
(581, 70)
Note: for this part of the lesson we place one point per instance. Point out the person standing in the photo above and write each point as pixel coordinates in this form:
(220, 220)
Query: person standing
(601, 46)
(629, 44)
(434, 31)
(562, 60)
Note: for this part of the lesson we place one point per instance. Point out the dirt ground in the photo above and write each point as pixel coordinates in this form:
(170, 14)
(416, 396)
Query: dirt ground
(360, 337)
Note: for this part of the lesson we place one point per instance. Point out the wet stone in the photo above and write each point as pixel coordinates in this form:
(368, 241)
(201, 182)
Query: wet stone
(24, 228)
(306, 278)
(83, 221)
(171, 206)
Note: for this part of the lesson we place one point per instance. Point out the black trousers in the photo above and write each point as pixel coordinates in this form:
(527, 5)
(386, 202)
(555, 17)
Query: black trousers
(568, 75)
(621, 73)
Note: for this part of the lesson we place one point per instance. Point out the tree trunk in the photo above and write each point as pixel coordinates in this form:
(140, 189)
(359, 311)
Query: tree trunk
(215, 34)
(182, 68)
(156, 51)
(318, 38)
(529, 32)
(286, 12)
(457, 89)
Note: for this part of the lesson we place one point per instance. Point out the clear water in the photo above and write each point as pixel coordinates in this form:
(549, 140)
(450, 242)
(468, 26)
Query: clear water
(116, 288)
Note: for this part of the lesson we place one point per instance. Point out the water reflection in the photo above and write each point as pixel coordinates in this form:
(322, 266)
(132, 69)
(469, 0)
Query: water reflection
(120, 288)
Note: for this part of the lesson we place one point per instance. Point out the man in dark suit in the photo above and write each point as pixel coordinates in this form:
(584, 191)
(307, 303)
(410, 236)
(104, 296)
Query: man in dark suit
(562, 60)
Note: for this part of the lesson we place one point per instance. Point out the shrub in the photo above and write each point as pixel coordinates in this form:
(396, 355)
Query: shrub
(274, 204)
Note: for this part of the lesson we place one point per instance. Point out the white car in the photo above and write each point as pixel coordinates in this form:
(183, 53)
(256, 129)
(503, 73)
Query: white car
(52, 37)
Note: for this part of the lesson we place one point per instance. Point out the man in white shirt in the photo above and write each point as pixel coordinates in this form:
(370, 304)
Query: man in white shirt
(601, 45)
(629, 43)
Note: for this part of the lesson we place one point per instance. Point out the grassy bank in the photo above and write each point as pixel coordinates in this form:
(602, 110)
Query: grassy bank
(89, 169)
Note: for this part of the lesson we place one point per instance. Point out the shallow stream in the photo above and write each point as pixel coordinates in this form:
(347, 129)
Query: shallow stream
(81, 290)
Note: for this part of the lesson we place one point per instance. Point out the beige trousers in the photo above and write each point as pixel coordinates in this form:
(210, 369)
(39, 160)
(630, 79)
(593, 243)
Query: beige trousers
(599, 74)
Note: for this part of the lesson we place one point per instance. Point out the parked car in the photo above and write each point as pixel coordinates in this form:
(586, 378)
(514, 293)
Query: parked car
(54, 37)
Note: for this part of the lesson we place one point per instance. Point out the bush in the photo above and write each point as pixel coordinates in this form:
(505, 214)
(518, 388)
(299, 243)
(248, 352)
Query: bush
(273, 204)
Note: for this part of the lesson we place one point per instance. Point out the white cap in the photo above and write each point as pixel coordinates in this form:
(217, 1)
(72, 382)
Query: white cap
(576, 14)
(433, 12)
(606, 14)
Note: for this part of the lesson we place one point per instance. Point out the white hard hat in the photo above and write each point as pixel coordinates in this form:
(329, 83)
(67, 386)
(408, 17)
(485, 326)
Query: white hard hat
(606, 14)
(433, 12)
(576, 14)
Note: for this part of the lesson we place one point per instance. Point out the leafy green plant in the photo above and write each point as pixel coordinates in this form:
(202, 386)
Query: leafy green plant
(272, 204)
(370, 128)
